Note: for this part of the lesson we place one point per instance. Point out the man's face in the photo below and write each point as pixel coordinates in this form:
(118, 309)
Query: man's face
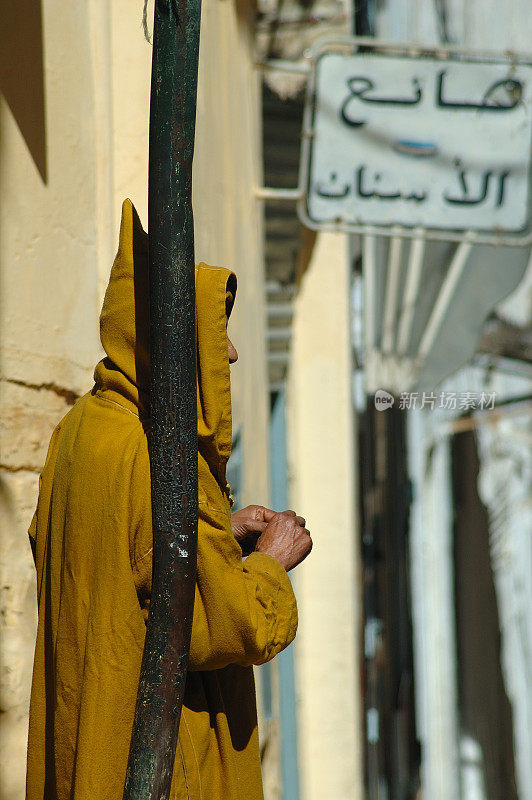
(231, 349)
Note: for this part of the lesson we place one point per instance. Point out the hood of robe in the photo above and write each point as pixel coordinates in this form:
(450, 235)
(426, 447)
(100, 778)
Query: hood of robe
(124, 333)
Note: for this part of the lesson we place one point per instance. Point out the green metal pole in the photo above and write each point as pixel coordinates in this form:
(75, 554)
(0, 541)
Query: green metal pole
(173, 437)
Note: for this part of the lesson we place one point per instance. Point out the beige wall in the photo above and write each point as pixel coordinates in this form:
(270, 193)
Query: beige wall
(322, 488)
(57, 241)
(228, 218)
(48, 337)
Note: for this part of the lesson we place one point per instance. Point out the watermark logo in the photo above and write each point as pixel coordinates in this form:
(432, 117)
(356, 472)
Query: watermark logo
(452, 401)
(383, 400)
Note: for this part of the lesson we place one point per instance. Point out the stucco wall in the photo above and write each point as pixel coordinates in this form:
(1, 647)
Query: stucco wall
(48, 336)
(321, 441)
(58, 234)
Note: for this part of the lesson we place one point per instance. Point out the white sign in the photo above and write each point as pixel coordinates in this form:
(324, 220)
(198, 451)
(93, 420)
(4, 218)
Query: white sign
(420, 141)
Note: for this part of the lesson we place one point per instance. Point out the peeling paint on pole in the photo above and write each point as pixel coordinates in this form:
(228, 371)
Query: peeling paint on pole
(173, 439)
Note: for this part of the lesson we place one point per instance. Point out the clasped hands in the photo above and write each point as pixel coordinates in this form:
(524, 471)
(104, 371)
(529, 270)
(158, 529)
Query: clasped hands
(281, 534)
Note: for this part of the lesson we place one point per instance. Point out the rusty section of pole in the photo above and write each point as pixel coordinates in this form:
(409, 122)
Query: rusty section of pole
(173, 438)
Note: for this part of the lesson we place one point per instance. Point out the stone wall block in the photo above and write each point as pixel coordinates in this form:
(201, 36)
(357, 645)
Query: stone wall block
(27, 419)
(18, 625)
(18, 604)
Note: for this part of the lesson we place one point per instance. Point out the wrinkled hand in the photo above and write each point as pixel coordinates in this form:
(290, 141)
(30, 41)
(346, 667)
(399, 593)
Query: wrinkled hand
(248, 524)
(286, 539)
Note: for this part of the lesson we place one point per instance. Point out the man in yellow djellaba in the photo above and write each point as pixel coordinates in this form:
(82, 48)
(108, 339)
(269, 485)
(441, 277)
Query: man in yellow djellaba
(92, 542)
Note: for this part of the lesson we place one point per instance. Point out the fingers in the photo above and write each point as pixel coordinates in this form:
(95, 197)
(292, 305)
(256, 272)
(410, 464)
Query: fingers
(292, 522)
(300, 520)
(266, 515)
(260, 513)
(286, 540)
(251, 525)
(245, 527)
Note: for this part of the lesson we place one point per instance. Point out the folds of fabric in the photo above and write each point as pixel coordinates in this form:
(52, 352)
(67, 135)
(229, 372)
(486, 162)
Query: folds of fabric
(92, 537)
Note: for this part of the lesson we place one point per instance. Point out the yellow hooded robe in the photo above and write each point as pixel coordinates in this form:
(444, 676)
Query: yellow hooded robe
(92, 540)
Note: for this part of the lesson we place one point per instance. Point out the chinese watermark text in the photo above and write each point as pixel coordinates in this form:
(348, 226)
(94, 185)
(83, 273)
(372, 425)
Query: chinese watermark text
(451, 401)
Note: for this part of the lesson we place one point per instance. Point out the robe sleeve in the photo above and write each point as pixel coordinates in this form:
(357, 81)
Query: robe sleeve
(245, 611)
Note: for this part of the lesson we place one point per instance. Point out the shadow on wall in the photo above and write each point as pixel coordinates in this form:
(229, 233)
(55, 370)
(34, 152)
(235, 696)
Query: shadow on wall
(485, 711)
(22, 73)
